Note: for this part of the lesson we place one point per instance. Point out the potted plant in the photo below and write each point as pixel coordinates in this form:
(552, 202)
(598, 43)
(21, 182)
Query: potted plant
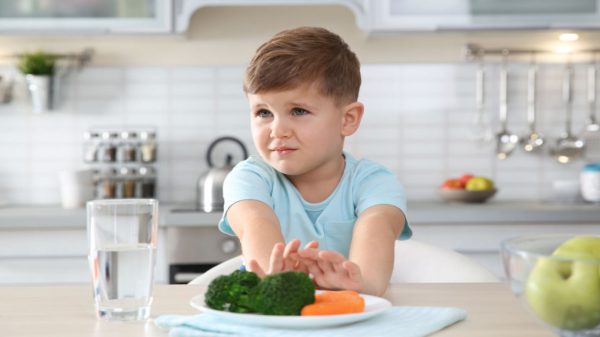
(39, 68)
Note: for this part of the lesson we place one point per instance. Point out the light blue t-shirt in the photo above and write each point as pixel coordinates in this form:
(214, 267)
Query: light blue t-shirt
(364, 184)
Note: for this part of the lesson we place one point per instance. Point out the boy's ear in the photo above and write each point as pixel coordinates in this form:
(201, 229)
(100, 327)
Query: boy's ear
(351, 118)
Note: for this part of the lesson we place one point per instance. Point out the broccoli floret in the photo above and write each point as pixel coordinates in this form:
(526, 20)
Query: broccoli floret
(232, 292)
(283, 293)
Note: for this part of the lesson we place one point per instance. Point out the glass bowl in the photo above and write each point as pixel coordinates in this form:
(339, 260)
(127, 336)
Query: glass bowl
(560, 288)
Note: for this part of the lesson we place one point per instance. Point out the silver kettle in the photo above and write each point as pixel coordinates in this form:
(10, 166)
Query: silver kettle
(209, 189)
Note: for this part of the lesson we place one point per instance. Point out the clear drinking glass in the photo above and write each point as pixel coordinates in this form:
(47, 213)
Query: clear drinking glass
(122, 237)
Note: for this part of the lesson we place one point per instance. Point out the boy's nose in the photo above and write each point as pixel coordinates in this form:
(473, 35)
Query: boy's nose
(280, 128)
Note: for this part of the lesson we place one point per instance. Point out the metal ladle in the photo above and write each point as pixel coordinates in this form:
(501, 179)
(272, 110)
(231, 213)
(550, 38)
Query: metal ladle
(534, 141)
(568, 147)
(591, 133)
(506, 142)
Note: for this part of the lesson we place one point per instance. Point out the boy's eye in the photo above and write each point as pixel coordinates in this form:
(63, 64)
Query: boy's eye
(263, 113)
(299, 111)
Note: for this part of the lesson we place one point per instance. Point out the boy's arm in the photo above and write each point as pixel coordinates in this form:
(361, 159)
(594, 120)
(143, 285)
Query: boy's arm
(372, 247)
(257, 227)
(371, 260)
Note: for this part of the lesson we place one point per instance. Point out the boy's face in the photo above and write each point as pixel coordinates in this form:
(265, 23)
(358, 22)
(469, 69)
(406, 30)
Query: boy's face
(299, 131)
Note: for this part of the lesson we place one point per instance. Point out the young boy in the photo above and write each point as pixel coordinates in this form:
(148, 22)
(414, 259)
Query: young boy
(302, 86)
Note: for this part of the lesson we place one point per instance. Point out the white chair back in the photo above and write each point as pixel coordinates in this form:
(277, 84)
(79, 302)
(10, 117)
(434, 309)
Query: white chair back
(414, 262)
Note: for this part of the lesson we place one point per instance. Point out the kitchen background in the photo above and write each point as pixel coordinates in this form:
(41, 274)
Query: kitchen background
(418, 89)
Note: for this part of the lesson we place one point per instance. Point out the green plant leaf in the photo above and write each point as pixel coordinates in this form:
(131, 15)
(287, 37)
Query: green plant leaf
(37, 63)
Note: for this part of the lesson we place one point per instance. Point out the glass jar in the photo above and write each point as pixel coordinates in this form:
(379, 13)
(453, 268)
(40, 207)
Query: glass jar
(106, 187)
(91, 140)
(107, 150)
(590, 182)
(126, 183)
(148, 146)
(146, 183)
(127, 149)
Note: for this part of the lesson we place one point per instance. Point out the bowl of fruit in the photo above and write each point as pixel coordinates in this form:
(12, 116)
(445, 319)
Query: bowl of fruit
(467, 188)
(557, 278)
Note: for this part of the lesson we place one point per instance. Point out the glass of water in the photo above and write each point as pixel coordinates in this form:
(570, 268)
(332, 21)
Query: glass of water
(122, 237)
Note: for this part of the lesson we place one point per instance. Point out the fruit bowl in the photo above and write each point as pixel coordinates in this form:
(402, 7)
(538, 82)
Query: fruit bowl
(461, 195)
(557, 277)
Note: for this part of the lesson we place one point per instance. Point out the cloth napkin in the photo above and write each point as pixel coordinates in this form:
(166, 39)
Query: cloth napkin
(395, 321)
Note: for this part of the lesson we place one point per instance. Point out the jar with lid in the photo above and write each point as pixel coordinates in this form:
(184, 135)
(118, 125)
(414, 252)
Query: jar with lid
(590, 182)
(146, 183)
(91, 141)
(148, 146)
(107, 150)
(127, 148)
(106, 187)
(126, 182)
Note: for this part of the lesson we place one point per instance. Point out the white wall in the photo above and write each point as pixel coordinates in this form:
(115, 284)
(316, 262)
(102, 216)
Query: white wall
(417, 122)
(418, 90)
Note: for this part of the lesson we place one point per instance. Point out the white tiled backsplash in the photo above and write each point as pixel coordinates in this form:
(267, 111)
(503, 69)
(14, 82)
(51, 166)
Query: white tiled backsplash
(417, 120)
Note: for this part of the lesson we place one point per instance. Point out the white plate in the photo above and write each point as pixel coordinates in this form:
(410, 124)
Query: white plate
(373, 307)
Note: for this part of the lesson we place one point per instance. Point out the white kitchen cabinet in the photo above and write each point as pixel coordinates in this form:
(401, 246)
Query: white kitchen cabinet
(482, 242)
(408, 15)
(93, 17)
(54, 256)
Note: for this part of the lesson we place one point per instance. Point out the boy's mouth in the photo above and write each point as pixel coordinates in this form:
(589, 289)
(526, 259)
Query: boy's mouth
(283, 149)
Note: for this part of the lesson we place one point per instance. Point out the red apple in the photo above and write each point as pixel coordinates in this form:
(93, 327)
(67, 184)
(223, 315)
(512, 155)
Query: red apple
(464, 178)
(453, 184)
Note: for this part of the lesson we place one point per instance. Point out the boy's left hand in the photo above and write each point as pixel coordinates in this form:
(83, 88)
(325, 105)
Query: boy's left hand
(331, 270)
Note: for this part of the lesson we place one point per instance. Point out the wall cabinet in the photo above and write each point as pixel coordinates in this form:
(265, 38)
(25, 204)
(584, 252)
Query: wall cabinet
(407, 15)
(482, 242)
(86, 17)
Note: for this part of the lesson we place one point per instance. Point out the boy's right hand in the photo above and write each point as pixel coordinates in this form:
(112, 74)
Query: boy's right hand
(283, 258)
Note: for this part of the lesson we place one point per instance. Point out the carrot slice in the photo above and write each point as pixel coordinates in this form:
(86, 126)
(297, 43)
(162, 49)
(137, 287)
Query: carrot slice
(331, 295)
(335, 303)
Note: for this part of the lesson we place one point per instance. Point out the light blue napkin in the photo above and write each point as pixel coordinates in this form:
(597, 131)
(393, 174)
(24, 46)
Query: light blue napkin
(395, 321)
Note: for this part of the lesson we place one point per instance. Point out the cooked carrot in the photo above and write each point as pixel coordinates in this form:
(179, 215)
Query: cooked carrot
(335, 303)
(331, 295)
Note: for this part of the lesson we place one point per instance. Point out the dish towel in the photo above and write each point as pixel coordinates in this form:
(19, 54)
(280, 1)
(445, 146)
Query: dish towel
(395, 321)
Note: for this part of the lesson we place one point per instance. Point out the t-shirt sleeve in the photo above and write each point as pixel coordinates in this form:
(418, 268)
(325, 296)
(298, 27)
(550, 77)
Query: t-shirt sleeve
(247, 181)
(379, 186)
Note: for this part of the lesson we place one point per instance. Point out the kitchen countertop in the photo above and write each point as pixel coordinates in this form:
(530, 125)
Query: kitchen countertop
(491, 309)
(422, 212)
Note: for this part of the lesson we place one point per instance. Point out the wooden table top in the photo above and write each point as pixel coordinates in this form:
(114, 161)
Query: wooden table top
(67, 311)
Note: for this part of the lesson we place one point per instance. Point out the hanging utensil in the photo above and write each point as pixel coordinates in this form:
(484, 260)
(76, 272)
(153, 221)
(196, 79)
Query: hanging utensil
(505, 141)
(534, 141)
(481, 130)
(591, 133)
(568, 148)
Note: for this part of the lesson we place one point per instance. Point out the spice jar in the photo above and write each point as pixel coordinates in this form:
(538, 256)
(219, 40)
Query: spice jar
(126, 182)
(106, 187)
(90, 146)
(107, 150)
(146, 182)
(148, 146)
(127, 149)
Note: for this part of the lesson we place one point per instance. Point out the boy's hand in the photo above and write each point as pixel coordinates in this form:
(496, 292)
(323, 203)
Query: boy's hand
(283, 258)
(331, 270)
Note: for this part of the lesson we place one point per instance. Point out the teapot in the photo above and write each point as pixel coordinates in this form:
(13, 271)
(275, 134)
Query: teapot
(209, 189)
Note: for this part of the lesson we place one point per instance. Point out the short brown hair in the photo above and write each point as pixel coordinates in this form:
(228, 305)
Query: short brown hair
(303, 55)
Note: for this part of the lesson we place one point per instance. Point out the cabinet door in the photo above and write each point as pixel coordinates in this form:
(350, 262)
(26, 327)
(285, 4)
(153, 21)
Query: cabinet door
(399, 15)
(96, 16)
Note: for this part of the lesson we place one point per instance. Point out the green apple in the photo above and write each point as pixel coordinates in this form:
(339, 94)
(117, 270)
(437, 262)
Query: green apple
(479, 184)
(566, 293)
